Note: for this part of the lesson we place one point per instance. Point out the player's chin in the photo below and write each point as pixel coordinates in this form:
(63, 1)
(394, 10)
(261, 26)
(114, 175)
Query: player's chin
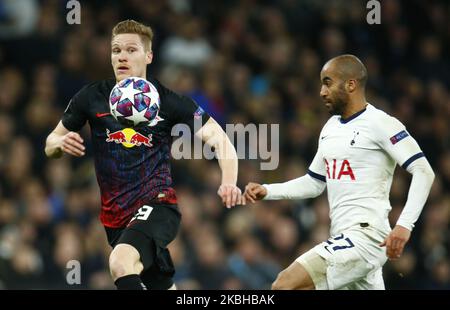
(122, 75)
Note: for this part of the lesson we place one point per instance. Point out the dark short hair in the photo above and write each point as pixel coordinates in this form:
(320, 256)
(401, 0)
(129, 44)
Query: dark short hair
(352, 67)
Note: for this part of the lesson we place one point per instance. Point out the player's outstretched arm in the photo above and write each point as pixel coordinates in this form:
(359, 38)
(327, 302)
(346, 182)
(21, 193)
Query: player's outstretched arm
(300, 188)
(61, 140)
(212, 134)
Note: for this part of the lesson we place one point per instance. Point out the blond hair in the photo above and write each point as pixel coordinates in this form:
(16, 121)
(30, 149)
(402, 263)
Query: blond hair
(132, 26)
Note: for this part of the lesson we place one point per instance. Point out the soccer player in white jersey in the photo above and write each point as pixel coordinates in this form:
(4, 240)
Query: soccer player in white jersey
(359, 148)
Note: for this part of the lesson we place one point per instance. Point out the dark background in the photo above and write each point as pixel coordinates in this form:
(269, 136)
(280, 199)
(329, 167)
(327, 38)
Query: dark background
(244, 62)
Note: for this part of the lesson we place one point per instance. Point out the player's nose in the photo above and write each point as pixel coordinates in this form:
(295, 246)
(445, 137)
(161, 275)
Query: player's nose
(323, 92)
(123, 57)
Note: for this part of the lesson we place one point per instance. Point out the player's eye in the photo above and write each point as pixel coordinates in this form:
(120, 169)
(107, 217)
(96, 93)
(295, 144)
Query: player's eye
(131, 50)
(116, 51)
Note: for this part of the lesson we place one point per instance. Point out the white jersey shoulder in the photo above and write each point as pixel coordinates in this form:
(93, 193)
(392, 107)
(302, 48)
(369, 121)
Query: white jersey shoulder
(383, 123)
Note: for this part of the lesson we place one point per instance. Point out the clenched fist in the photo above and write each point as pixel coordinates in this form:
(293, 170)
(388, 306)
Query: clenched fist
(254, 192)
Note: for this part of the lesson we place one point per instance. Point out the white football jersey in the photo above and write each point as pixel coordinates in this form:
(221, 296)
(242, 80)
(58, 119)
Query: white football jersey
(357, 157)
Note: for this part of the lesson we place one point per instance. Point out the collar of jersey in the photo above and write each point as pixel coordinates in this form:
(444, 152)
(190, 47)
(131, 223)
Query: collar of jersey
(348, 119)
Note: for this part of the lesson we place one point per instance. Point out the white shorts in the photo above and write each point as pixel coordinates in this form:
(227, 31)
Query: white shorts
(351, 260)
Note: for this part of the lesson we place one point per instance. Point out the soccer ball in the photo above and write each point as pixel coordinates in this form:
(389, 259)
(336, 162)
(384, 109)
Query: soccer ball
(134, 102)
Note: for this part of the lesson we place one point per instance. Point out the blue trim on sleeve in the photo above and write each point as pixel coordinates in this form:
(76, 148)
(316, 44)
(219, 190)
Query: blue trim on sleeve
(317, 176)
(412, 158)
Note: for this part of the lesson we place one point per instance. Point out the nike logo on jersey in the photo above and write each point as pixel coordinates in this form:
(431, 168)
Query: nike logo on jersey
(102, 114)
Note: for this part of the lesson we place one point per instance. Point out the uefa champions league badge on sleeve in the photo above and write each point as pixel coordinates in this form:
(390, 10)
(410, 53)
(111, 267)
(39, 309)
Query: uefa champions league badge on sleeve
(198, 113)
(398, 137)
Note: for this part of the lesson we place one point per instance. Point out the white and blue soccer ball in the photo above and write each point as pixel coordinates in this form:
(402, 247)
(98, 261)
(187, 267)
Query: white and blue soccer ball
(135, 102)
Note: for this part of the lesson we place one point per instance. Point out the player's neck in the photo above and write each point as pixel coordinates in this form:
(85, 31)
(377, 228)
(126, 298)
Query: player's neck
(354, 107)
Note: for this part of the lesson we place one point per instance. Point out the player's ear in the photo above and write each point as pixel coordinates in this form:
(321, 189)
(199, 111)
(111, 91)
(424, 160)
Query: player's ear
(148, 57)
(351, 86)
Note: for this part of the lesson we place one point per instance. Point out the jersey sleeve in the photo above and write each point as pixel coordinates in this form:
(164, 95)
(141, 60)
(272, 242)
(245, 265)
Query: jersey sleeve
(317, 167)
(184, 110)
(74, 117)
(397, 142)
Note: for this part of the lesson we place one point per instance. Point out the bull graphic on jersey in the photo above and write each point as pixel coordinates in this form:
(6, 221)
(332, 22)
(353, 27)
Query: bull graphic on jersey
(128, 137)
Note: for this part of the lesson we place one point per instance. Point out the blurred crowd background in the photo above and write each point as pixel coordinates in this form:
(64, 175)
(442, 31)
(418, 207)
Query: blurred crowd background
(243, 61)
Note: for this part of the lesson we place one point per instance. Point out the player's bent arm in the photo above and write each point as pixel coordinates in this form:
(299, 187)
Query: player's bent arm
(54, 141)
(422, 179)
(61, 140)
(300, 188)
(404, 149)
(213, 135)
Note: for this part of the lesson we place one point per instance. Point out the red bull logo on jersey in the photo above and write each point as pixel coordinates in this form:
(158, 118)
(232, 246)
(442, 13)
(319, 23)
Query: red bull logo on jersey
(128, 137)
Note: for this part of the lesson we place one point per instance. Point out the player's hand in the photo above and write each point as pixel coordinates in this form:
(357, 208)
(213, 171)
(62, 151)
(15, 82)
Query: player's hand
(72, 143)
(395, 242)
(254, 192)
(231, 195)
